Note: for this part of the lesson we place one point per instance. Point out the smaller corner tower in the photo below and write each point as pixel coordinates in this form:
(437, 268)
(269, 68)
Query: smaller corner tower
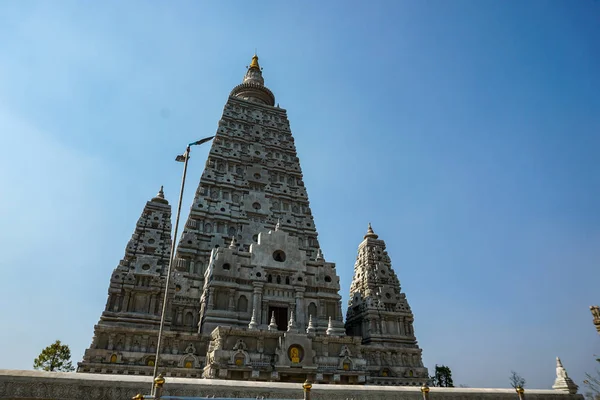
(379, 313)
(128, 325)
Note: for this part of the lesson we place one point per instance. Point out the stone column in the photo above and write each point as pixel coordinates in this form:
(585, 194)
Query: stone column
(257, 301)
(300, 314)
(117, 297)
(265, 311)
(126, 301)
(152, 303)
(211, 299)
(231, 306)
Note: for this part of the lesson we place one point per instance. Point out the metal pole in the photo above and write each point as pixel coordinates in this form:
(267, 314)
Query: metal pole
(172, 256)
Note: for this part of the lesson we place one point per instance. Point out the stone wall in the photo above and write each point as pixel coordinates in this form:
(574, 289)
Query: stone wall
(15, 384)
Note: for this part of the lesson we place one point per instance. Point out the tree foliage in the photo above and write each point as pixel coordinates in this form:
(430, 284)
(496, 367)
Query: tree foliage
(56, 357)
(516, 380)
(442, 376)
(593, 384)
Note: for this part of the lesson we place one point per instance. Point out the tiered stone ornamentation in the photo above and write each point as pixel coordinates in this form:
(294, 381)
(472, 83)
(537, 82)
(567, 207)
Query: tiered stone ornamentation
(379, 314)
(252, 295)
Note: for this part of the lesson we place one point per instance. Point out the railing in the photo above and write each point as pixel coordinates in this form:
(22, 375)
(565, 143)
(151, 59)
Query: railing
(159, 382)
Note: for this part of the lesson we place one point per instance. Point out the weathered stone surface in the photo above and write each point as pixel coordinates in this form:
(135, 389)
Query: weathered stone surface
(72, 386)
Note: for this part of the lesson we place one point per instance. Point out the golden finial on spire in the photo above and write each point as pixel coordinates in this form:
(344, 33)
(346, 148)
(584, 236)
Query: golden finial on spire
(254, 63)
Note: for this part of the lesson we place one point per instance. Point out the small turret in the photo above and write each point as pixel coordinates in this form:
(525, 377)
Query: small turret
(273, 323)
(563, 383)
(253, 325)
(310, 330)
(292, 324)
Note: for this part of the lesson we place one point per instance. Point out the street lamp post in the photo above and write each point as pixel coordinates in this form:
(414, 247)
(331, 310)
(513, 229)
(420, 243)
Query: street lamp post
(181, 158)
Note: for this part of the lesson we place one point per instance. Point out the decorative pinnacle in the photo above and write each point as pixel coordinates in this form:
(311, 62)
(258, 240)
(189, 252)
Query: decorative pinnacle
(563, 383)
(370, 233)
(253, 325)
(311, 328)
(329, 330)
(232, 244)
(273, 323)
(277, 226)
(319, 255)
(160, 197)
(291, 323)
(254, 63)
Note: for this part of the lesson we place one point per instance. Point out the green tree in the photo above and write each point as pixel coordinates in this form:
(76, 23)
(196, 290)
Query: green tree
(442, 376)
(593, 385)
(516, 380)
(56, 357)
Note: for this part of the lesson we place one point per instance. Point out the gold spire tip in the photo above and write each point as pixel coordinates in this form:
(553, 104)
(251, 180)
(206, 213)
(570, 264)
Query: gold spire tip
(254, 63)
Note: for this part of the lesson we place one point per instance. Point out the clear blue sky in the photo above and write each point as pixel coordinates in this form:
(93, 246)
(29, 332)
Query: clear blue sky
(467, 132)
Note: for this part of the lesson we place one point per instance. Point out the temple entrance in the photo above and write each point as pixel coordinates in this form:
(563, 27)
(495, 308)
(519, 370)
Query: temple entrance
(281, 317)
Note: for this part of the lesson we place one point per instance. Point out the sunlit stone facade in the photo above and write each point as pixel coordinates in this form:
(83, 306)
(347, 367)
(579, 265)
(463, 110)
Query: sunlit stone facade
(252, 296)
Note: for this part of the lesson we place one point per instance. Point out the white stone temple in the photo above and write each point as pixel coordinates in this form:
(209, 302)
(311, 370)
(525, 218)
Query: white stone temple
(252, 297)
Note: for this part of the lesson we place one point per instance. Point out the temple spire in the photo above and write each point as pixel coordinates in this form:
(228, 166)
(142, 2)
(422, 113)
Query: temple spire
(254, 73)
(370, 233)
(253, 86)
(254, 63)
(160, 197)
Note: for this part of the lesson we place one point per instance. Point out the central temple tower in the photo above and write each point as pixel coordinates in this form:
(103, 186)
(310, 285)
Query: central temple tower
(251, 295)
(251, 212)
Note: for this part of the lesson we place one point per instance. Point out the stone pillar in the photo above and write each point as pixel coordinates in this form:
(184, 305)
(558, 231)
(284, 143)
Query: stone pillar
(264, 314)
(257, 301)
(159, 306)
(126, 301)
(211, 299)
(152, 304)
(117, 297)
(231, 306)
(300, 314)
